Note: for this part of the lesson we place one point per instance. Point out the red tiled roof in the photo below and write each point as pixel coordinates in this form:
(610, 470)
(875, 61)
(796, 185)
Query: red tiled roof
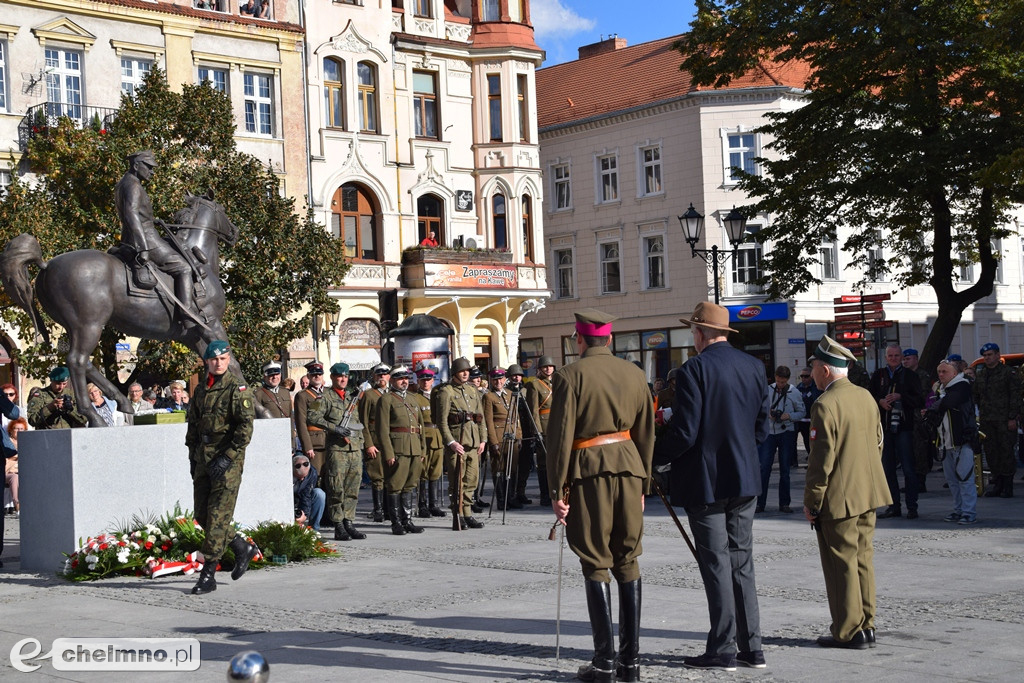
(188, 11)
(631, 77)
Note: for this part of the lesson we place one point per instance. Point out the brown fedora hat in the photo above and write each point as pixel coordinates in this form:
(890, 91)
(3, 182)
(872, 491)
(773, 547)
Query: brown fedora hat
(709, 315)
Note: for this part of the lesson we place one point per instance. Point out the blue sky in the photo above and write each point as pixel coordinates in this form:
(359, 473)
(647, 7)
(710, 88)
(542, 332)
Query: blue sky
(561, 26)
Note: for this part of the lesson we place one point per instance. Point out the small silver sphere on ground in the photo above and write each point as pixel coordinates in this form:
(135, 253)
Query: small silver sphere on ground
(249, 666)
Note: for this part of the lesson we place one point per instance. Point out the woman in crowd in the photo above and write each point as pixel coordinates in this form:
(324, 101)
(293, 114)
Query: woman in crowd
(106, 408)
(14, 427)
(952, 417)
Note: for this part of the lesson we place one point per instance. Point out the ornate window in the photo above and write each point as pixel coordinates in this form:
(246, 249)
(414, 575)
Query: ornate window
(611, 267)
(367, 97)
(650, 165)
(494, 106)
(3, 76)
(64, 86)
(217, 78)
(741, 148)
(354, 221)
(562, 188)
(499, 220)
(565, 286)
(491, 10)
(424, 86)
(654, 262)
(524, 109)
(608, 178)
(334, 93)
(430, 218)
(527, 204)
(133, 73)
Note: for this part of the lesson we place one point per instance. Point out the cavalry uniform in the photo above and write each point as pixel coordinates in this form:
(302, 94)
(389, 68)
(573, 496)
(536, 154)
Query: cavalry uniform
(504, 451)
(459, 416)
(311, 437)
(433, 464)
(538, 400)
(399, 436)
(275, 400)
(997, 395)
(374, 466)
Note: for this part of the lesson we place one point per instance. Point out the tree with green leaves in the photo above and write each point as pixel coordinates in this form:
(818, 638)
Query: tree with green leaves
(275, 276)
(911, 138)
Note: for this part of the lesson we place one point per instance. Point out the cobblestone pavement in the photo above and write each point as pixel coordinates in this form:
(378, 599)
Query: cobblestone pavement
(480, 605)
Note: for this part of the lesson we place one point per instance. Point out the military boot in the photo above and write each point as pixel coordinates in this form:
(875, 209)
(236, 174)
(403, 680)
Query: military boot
(340, 533)
(434, 497)
(629, 632)
(422, 491)
(995, 486)
(353, 533)
(542, 481)
(378, 505)
(244, 553)
(207, 582)
(387, 508)
(599, 605)
(406, 513)
(394, 502)
(470, 523)
(1007, 491)
(499, 492)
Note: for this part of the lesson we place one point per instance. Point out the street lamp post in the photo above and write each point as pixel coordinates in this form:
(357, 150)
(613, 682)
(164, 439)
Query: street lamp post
(692, 224)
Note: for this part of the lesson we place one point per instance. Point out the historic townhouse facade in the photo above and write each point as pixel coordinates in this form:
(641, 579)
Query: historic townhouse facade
(422, 120)
(623, 157)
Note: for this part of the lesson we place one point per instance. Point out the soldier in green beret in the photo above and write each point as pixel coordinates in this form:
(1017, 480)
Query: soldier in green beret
(53, 407)
(343, 464)
(220, 417)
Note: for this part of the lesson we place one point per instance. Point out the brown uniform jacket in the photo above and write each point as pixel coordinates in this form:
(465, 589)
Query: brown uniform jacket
(399, 426)
(311, 439)
(430, 430)
(278, 404)
(368, 416)
(453, 402)
(538, 397)
(844, 468)
(599, 394)
(496, 408)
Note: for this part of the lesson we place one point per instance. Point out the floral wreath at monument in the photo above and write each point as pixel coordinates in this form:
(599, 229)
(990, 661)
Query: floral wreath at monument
(170, 544)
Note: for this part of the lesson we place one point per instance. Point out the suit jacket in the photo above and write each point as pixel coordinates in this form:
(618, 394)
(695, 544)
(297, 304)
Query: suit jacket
(844, 468)
(719, 417)
(599, 394)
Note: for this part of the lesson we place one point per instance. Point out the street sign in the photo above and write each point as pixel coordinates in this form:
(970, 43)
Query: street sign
(856, 298)
(857, 308)
(876, 297)
(857, 344)
(878, 324)
(848, 326)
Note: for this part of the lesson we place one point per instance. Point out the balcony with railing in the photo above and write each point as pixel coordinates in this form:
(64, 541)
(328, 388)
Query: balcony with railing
(42, 117)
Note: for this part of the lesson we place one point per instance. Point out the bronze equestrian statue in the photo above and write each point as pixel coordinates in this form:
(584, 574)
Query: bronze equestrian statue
(151, 287)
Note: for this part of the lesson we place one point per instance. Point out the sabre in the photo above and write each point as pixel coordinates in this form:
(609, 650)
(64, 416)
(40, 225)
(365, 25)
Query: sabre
(679, 525)
(558, 593)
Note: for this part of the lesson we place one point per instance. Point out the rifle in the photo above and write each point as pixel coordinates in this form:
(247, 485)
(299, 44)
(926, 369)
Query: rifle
(351, 408)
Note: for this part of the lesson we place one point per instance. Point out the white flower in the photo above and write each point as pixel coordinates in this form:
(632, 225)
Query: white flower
(174, 534)
(122, 557)
(151, 539)
(92, 559)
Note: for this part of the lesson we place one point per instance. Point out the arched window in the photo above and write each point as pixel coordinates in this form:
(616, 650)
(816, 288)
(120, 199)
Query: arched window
(498, 217)
(527, 228)
(367, 97)
(430, 219)
(334, 93)
(354, 221)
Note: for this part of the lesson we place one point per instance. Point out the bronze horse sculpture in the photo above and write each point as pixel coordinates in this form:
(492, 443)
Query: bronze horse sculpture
(85, 290)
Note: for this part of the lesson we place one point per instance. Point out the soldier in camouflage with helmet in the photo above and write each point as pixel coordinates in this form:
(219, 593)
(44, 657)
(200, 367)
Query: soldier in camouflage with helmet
(343, 463)
(220, 417)
(997, 395)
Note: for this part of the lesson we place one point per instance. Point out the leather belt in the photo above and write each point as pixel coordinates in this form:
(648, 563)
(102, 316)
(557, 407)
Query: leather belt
(600, 440)
(544, 411)
(429, 425)
(406, 430)
(314, 429)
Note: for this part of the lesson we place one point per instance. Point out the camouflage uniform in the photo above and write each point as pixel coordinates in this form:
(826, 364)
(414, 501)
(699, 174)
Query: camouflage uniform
(997, 395)
(220, 420)
(42, 416)
(343, 464)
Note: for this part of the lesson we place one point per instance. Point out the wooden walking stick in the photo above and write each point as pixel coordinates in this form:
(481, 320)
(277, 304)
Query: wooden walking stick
(558, 593)
(679, 525)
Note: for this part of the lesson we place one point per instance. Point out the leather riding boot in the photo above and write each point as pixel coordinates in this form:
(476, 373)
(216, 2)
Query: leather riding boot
(471, 523)
(542, 481)
(423, 495)
(341, 533)
(378, 508)
(207, 582)
(394, 503)
(433, 498)
(995, 486)
(387, 508)
(350, 528)
(244, 553)
(629, 632)
(406, 513)
(524, 479)
(599, 605)
(499, 492)
(1007, 491)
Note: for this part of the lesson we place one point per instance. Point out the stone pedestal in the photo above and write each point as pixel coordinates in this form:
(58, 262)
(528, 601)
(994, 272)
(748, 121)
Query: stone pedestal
(77, 483)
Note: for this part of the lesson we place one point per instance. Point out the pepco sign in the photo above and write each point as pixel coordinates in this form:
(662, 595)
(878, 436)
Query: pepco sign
(758, 312)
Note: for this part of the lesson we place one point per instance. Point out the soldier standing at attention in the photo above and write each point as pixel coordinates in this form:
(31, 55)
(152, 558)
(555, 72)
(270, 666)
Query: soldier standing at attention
(538, 400)
(275, 400)
(344, 457)
(524, 461)
(460, 419)
(220, 419)
(600, 445)
(504, 460)
(312, 439)
(430, 478)
(372, 461)
(402, 446)
(997, 394)
(53, 407)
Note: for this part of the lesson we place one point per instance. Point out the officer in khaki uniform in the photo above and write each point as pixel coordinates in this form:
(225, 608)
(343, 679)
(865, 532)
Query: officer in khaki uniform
(461, 421)
(220, 419)
(535, 426)
(343, 464)
(274, 400)
(312, 439)
(600, 445)
(503, 441)
(845, 483)
(371, 460)
(402, 444)
(53, 407)
(514, 384)
(430, 477)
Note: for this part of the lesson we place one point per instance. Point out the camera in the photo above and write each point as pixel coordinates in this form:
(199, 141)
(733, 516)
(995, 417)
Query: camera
(776, 415)
(68, 404)
(896, 416)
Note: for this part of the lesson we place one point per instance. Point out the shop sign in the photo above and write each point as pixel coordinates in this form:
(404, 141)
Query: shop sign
(758, 312)
(655, 340)
(471, 276)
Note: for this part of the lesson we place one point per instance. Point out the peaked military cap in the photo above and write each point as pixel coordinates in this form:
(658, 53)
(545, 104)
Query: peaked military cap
(496, 372)
(382, 369)
(425, 373)
(401, 372)
(591, 322)
(314, 367)
(272, 368)
(545, 361)
(833, 353)
(339, 369)
(475, 372)
(709, 315)
(460, 364)
(145, 156)
(218, 347)
(60, 374)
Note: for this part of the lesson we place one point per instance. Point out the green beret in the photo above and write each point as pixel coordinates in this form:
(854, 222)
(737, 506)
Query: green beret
(216, 348)
(60, 374)
(339, 369)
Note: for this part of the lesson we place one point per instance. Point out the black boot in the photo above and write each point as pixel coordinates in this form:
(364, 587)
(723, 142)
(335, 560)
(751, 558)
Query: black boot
(244, 552)
(387, 508)
(499, 492)
(433, 498)
(207, 582)
(378, 505)
(995, 486)
(423, 495)
(405, 511)
(599, 605)
(629, 632)
(394, 502)
(353, 533)
(340, 533)
(542, 480)
(470, 523)
(457, 523)
(1007, 491)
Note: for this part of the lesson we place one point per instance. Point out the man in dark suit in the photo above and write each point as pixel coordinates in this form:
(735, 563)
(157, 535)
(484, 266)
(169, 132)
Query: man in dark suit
(718, 419)
(845, 483)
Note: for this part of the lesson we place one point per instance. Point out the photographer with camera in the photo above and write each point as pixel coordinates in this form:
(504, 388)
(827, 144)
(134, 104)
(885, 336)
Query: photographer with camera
(898, 393)
(54, 407)
(785, 407)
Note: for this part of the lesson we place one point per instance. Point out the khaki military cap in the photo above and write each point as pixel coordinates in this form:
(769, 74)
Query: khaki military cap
(832, 352)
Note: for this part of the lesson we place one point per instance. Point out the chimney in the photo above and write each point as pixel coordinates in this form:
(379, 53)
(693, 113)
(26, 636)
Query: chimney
(611, 44)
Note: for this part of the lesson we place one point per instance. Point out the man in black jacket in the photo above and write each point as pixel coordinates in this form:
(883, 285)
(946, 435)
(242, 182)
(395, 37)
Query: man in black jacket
(309, 500)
